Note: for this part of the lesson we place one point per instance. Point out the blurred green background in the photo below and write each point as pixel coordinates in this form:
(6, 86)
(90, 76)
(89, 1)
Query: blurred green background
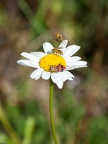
(81, 107)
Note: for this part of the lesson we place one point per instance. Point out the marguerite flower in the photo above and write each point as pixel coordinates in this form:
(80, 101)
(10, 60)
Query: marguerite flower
(54, 63)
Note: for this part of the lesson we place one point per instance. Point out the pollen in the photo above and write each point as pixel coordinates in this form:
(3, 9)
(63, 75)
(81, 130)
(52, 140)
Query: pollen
(51, 60)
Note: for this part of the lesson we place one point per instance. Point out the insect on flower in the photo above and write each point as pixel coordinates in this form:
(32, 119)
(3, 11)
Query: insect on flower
(59, 68)
(57, 51)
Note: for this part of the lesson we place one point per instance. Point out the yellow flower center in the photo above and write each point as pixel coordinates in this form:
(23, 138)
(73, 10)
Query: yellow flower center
(52, 63)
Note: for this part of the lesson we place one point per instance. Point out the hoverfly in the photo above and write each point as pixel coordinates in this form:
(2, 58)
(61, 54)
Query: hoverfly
(59, 37)
(57, 51)
(58, 68)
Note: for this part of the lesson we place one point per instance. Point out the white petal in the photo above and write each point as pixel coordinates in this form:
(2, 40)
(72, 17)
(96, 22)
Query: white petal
(77, 64)
(47, 47)
(38, 54)
(38, 77)
(70, 50)
(63, 44)
(36, 74)
(56, 79)
(46, 75)
(28, 63)
(72, 59)
(29, 56)
(65, 76)
(69, 75)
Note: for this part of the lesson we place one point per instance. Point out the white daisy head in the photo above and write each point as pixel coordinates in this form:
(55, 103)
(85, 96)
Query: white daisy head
(53, 63)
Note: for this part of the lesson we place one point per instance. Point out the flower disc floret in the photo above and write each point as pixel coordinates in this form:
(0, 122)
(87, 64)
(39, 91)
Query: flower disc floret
(50, 60)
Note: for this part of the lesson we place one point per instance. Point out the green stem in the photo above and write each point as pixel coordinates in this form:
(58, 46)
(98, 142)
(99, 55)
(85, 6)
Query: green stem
(51, 112)
(8, 127)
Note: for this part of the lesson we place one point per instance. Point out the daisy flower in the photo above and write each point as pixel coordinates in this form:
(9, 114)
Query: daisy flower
(53, 63)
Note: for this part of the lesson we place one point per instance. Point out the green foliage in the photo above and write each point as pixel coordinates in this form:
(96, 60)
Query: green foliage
(32, 126)
(98, 130)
